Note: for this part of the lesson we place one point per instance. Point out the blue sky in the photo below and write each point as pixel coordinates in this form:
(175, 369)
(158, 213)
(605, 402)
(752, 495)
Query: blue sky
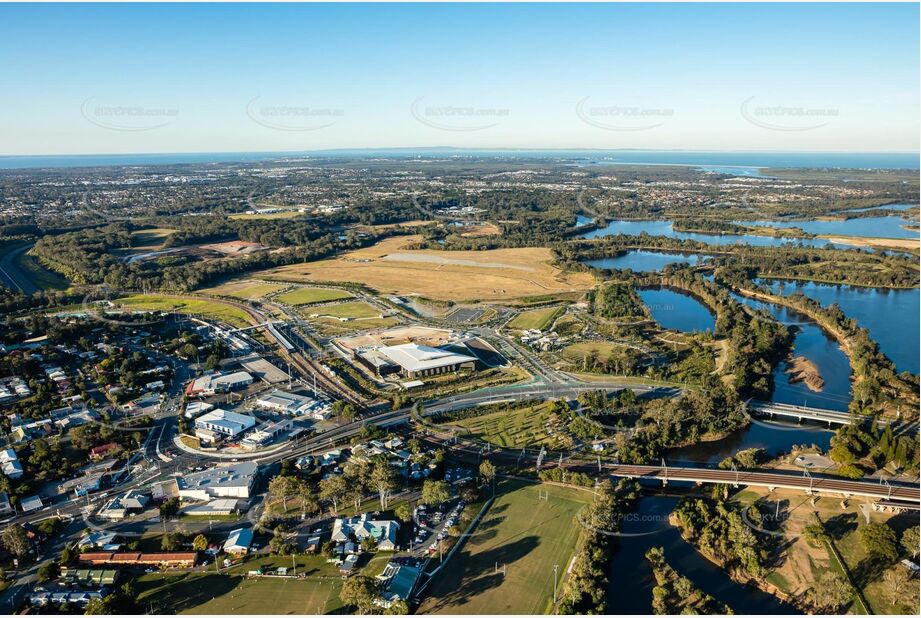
(201, 78)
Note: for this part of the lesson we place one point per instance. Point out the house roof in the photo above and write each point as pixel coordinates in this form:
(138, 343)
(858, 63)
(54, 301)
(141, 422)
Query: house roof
(241, 537)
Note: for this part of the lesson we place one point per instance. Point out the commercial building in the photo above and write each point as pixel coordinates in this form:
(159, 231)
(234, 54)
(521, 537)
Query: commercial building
(218, 383)
(227, 481)
(224, 422)
(284, 402)
(266, 433)
(121, 506)
(414, 361)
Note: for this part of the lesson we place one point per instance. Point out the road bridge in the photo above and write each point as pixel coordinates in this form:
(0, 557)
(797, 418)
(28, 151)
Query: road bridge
(810, 483)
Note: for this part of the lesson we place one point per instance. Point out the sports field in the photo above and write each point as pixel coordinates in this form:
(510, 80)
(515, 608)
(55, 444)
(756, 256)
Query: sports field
(244, 289)
(208, 308)
(232, 593)
(537, 319)
(496, 274)
(523, 534)
(512, 429)
(308, 296)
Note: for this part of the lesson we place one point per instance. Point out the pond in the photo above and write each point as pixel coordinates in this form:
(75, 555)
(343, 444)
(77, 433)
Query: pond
(630, 579)
(676, 311)
(646, 261)
(891, 316)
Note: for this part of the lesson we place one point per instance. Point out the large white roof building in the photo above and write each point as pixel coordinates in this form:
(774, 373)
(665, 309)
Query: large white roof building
(225, 422)
(421, 360)
(227, 481)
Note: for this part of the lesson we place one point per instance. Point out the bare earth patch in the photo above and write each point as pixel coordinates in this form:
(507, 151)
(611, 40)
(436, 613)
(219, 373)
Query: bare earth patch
(497, 274)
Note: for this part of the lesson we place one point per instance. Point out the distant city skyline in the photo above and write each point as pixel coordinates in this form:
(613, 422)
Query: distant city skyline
(112, 79)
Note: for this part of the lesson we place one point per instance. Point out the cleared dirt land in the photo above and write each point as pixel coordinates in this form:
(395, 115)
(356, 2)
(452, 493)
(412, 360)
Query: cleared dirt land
(524, 534)
(443, 275)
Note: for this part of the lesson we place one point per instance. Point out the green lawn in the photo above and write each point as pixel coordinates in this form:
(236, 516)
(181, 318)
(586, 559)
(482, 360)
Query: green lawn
(577, 352)
(537, 319)
(524, 534)
(353, 311)
(512, 429)
(244, 289)
(307, 296)
(210, 309)
(212, 593)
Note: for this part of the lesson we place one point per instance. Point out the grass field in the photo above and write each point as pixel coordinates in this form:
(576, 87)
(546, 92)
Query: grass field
(526, 535)
(211, 593)
(442, 275)
(537, 319)
(577, 352)
(244, 289)
(352, 311)
(512, 429)
(208, 308)
(149, 239)
(308, 296)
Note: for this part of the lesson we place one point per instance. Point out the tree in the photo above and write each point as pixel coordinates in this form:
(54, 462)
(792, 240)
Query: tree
(880, 541)
(487, 471)
(403, 512)
(815, 531)
(435, 492)
(200, 543)
(896, 583)
(171, 541)
(398, 608)
(333, 488)
(48, 571)
(369, 544)
(282, 487)
(911, 540)
(169, 508)
(830, 592)
(308, 501)
(15, 540)
(383, 480)
(359, 592)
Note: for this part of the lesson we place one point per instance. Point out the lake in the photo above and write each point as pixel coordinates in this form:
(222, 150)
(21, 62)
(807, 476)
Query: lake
(891, 316)
(666, 228)
(630, 579)
(646, 261)
(677, 311)
(865, 227)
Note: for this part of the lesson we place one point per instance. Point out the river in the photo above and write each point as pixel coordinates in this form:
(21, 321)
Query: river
(891, 316)
(630, 579)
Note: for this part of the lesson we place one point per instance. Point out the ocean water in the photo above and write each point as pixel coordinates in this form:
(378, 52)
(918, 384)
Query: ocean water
(745, 163)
